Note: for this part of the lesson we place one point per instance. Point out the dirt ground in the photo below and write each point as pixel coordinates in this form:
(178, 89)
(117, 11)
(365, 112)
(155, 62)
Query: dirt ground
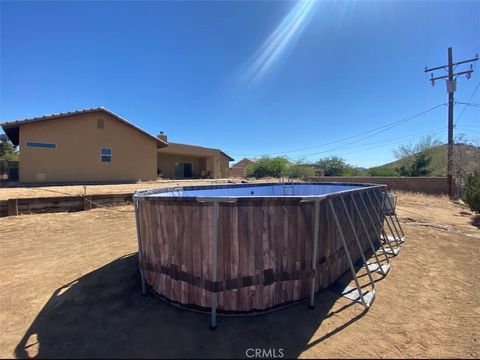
(49, 191)
(70, 288)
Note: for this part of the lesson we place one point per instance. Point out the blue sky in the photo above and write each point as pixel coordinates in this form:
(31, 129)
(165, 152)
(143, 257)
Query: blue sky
(185, 68)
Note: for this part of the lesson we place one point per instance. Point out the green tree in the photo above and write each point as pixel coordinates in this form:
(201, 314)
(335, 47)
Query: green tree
(300, 170)
(267, 166)
(332, 166)
(417, 168)
(7, 150)
(472, 191)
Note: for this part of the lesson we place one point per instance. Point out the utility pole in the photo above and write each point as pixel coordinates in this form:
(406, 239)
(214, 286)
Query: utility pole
(451, 88)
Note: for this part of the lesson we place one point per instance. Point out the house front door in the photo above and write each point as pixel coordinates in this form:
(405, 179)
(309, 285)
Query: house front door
(187, 170)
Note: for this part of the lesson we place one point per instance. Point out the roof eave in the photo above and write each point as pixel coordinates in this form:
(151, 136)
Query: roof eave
(227, 156)
(16, 124)
(207, 148)
(12, 134)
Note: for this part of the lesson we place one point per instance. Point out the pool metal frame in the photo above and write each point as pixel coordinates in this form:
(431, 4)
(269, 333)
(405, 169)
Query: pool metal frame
(356, 294)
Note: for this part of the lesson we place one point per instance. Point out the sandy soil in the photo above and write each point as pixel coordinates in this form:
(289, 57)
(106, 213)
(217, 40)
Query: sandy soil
(70, 288)
(76, 190)
(49, 191)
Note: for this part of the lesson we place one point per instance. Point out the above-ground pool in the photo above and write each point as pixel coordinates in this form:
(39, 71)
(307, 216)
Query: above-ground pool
(252, 247)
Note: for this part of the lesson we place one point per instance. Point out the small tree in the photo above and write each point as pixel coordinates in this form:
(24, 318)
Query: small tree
(301, 171)
(410, 149)
(472, 191)
(417, 168)
(332, 166)
(267, 166)
(7, 150)
(462, 159)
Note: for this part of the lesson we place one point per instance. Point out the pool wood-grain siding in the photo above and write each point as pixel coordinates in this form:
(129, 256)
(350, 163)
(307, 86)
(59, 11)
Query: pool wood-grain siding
(264, 249)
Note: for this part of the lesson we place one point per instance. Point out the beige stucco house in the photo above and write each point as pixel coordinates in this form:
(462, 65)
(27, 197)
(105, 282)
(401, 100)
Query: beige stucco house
(96, 145)
(191, 161)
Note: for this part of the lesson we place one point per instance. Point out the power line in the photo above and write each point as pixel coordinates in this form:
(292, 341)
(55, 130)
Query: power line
(474, 126)
(391, 142)
(465, 107)
(468, 104)
(472, 129)
(376, 133)
(398, 139)
(378, 130)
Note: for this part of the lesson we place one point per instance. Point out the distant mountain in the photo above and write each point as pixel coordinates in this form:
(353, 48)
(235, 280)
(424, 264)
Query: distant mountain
(466, 158)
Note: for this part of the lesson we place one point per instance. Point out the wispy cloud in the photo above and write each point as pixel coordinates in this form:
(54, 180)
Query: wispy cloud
(279, 41)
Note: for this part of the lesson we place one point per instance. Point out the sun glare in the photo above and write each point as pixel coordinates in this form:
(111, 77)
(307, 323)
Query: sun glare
(279, 41)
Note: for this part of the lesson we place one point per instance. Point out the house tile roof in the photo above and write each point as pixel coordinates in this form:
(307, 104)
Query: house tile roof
(11, 127)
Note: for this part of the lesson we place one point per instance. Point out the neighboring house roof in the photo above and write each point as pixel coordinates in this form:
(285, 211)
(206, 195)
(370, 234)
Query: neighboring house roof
(239, 169)
(174, 147)
(11, 128)
(244, 162)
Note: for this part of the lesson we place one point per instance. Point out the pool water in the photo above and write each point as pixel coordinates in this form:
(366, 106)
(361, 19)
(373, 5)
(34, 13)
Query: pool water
(258, 190)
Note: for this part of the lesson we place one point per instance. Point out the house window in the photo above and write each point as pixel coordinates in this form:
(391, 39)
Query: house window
(40, 145)
(100, 124)
(106, 154)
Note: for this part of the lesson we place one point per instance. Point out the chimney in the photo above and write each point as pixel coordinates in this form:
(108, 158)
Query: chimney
(162, 136)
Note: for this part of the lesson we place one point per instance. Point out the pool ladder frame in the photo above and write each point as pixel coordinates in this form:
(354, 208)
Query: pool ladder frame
(289, 184)
(365, 298)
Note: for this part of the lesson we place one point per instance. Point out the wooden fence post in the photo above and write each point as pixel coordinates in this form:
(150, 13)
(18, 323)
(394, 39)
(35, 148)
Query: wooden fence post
(87, 203)
(12, 207)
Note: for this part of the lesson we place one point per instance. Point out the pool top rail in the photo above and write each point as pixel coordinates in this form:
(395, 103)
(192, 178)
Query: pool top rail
(297, 190)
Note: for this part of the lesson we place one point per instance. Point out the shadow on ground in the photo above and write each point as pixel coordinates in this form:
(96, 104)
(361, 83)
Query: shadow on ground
(476, 221)
(103, 314)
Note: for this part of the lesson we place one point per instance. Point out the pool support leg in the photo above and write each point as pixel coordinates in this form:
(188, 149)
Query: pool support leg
(382, 248)
(357, 241)
(399, 225)
(213, 324)
(316, 221)
(388, 215)
(382, 220)
(140, 252)
(393, 214)
(372, 222)
(383, 234)
(397, 240)
(381, 269)
(216, 212)
(400, 238)
(350, 264)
